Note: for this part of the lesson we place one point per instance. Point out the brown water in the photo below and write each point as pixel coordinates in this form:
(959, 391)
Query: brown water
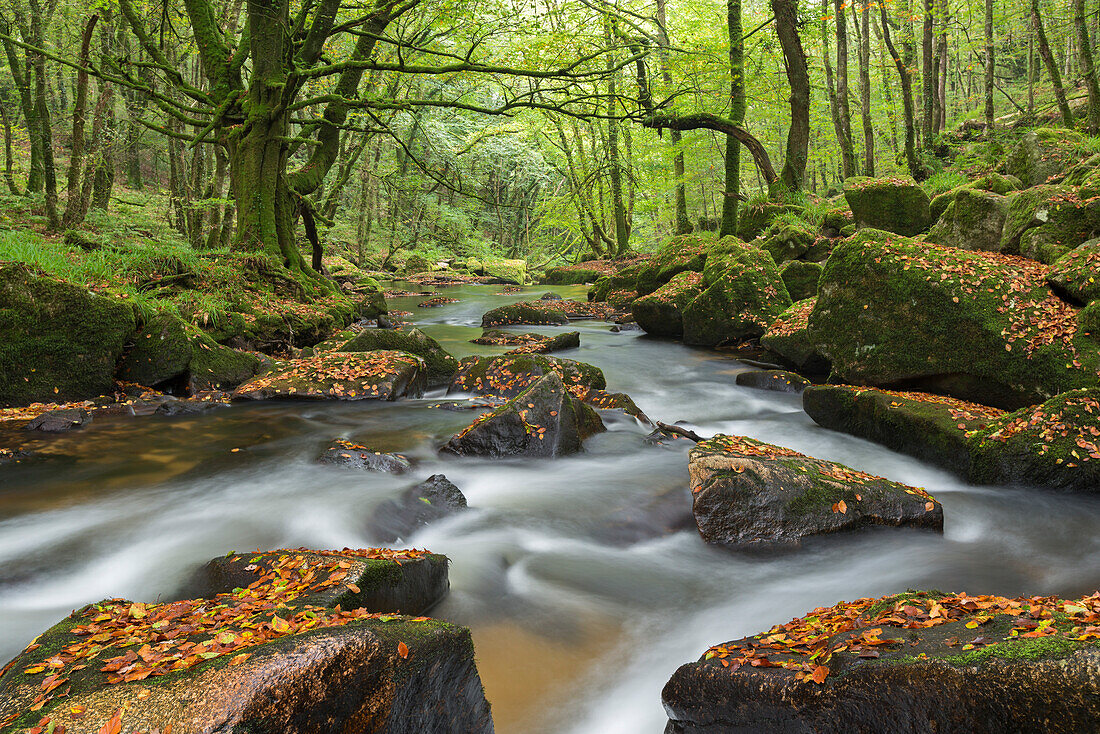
(575, 630)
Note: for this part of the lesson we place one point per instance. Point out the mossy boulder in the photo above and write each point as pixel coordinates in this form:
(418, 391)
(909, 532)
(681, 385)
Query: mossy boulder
(509, 271)
(530, 343)
(973, 221)
(1045, 154)
(379, 375)
(416, 264)
(923, 661)
(754, 218)
(679, 254)
(439, 366)
(930, 427)
(167, 349)
(310, 640)
(983, 327)
(578, 274)
(896, 204)
(217, 367)
(60, 342)
(1054, 445)
(773, 380)
(752, 494)
(660, 313)
(787, 240)
(800, 278)
(1074, 276)
(742, 295)
(1046, 222)
(789, 337)
(509, 375)
(545, 420)
(534, 314)
(994, 183)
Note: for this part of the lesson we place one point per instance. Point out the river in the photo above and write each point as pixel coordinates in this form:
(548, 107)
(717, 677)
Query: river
(578, 618)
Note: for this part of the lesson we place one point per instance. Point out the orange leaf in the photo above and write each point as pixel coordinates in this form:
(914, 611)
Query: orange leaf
(114, 726)
(353, 588)
(403, 650)
(819, 674)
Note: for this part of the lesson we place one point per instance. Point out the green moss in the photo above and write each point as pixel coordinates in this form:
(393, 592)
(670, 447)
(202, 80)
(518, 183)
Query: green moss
(889, 602)
(440, 365)
(894, 204)
(661, 312)
(523, 313)
(1053, 647)
(800, 278)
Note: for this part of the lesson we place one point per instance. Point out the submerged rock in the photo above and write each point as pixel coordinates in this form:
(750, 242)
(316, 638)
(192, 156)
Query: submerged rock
(352, 455)
(898, 313)
(381, 375)
(61, 342)
(541, 314)
(545, 420)
(290, 638)
(896, 205)
(439, 366)
(59, 421)
(424, 503)
(917, 662)
(774, 380)
(752, 494)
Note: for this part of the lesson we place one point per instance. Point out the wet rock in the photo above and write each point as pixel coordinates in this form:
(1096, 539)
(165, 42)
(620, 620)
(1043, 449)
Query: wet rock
(929, 427)
(789, 337)
(545, 420)
(973, 221)
(59, 421)
(530, 343)
(983, 327)
(419, 505)
(774, 380)
(189, 407)
(292, 639)
(524, 313)
(664, 514)
(14, 456)
(509, 375)
(801, 278)
(381, 375)
(917, 662)
(1076, 275)
(1055, 445)
(439, 365)
(629, 326)
(61, 342)
(752, 494)
(550, 297)
(661, 313)
(896, 205)
(354, 456)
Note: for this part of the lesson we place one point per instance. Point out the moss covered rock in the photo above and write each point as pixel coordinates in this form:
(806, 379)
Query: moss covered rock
(661, 312)
(753, 494)
(1045, 154)
(509, 271)
(1055, 444)
(1045, 222)
(984, 327)
(545, 420)
(380, 375)
(801, 278)
(310, 640)
(789, 337)
(416, 264)
(773, 380)
(753, 219)
(509, 375)
(535, 314)
(929, 427)
(60, 342)
(995, 183)
(914, 662)
(439, 366)
(578, 274)
(896, 205)
(530, 343)
(787, 240)
(742, 295)
(1075, 275)
(167, 350)
(679, 254)
(973, 221)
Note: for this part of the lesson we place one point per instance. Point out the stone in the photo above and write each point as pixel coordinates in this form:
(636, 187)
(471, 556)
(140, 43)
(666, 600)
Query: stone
(800, 278)
(59, 421)
(1074, 276)
(789, 338)
(750, 494)
(973, 221)
(661, 312)
(1046, 222)
(1042, 156)
(419, 505)
(439, 366)
(896, 204)
(507, 376)
(379, 375)
(524, 313)
(342, 452)
(773, 380)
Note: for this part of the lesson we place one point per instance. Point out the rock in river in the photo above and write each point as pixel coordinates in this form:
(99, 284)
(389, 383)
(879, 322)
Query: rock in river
(431, 500)
(293, 641)
(774, 380)
(753, 494)
(380, 375)
(921, 663)
(346, 453)
(59, 421)
(439, 365)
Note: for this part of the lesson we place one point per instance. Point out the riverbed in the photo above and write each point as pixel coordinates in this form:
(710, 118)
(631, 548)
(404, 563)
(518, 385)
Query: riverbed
(580, 606)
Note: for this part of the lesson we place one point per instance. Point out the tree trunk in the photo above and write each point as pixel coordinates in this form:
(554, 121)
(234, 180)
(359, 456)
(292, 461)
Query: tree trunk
(990, 65)
(732, 196)
(928, 79)
(794, 58)
(848, 160)
(9, 178)
(1051, 64)
(74, 213)
(865, 89)
(44, 128)
(618, 209)
(683, 221)
(1088, 67)
(911, 159)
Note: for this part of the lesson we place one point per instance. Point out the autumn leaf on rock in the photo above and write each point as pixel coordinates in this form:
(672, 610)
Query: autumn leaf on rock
(819, 674)
(114, 725)
(403, 650)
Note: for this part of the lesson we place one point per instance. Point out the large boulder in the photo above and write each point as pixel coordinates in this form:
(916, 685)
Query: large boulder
(742, 295)
(291, 641)
(992, 182)
(789, 337)
(583, 272)
(60, 342)
(800, 278)
(529, 343)
(433, 499)
(509, 375)
(439, 366)
(1075, 275)
(1044, 155)
(788, 239)
(661, 313)
(545, 420)
(896, 205)
(973, 221)
(1045, 222)
(916, 662)
(984, 327)
(381, 375)
(535, 314)
(755, 217)
(680, 254)
(1054, 445)
(930, 427)
(753, 494)
(773, 380)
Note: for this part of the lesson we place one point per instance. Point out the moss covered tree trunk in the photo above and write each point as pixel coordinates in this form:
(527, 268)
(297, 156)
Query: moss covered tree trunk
(906, 97)
(794, 58)
(849, 163)
(1088, 66)
(990, 64)
(737, 116)
(1051, 64)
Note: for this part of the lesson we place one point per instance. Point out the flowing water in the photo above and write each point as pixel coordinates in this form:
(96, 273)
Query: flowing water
(579, 615)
